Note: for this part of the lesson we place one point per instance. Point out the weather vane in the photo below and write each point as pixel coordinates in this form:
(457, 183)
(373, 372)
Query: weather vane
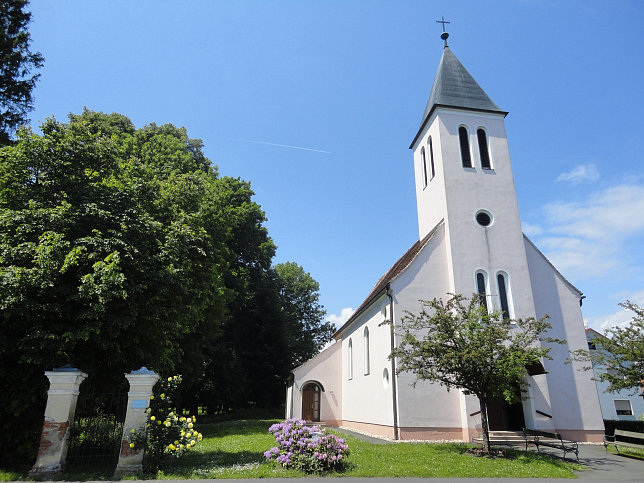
(444, 35)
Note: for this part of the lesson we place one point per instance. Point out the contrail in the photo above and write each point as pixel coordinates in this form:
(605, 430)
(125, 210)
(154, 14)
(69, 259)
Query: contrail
(279, 145)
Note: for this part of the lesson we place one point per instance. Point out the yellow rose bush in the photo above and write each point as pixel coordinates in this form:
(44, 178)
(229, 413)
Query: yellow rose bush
(167, 433)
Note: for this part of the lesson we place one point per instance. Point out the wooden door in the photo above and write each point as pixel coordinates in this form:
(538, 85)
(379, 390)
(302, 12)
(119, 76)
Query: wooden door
(311, 402)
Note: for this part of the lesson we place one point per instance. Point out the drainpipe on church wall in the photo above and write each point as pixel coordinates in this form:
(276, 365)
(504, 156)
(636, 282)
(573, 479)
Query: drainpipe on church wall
(393, 361)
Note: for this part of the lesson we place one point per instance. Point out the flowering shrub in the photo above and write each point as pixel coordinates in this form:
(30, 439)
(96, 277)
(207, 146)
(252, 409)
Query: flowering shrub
(167, 433)
(309, 449)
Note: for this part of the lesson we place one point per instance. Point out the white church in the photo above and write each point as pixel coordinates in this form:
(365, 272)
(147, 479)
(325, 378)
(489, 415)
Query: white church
(469, 241)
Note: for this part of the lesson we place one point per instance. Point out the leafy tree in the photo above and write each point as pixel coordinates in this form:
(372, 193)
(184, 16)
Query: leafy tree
(301, 312)
(459, 344)
(620, 355)
(16, 67)
(112, 255)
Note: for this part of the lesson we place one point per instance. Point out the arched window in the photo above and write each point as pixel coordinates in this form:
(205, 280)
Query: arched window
(366, 351)
(350, 360)
(481, 287)
(504, 294)
(423, 166)
(432, 172)
(463, 137)
(483, 148)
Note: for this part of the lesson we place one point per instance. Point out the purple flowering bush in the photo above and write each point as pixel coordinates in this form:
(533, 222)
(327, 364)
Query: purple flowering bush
(309, 449)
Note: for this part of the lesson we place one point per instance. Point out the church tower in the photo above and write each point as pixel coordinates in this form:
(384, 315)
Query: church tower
(464, 178)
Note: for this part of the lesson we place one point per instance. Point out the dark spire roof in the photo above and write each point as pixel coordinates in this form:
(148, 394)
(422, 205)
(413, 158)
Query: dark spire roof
(454, 86)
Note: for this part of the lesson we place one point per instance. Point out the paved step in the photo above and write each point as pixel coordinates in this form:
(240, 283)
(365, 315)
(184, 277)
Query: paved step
(502, 437)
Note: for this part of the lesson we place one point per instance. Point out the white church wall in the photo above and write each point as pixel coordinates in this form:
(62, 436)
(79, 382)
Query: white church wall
(367, 397)
(325, 369)
(498, 247)
(430, 199)
(427, 411)
(573, 395)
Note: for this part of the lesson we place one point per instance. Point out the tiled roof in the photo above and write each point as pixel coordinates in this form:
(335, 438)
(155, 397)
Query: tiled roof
(401, 264)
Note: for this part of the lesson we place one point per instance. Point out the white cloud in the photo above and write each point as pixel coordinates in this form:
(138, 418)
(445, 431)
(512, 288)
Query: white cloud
(589, 238)
(339, 320)
(619, 318)
(583, 172)
(530, 229)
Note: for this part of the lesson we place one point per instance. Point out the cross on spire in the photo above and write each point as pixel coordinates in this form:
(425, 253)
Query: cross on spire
(443, 21)
(444, 35)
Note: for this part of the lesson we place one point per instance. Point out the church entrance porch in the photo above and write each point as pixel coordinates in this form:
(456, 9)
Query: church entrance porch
(502, 416)
(311, 402)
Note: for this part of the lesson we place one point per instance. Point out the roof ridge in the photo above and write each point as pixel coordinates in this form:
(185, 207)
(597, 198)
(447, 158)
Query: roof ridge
(396, 269)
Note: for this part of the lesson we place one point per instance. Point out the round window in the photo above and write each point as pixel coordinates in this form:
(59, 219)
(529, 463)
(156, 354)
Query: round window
(484, 218)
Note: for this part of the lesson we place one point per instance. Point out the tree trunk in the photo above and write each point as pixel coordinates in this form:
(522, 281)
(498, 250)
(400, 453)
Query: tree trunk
(484, 424)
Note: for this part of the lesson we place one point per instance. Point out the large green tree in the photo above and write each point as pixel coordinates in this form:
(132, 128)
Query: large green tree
(619, 357)
(112, 253)
(302, 314)
(17, 66)
(459, 344)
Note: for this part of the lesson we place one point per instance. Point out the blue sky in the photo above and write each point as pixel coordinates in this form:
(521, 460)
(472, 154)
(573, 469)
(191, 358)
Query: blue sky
(316, 103)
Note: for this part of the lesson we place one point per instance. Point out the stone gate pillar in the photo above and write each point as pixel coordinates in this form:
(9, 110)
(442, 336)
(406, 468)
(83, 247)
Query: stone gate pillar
(138, 400)
(64, 384)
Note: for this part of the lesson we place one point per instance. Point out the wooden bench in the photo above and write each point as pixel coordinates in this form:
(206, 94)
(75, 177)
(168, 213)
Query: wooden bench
(552, 440)
(618, 440)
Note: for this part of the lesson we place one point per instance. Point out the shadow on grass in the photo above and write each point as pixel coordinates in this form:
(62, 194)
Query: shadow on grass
(238, 428)
(521, 456)
(211, 460)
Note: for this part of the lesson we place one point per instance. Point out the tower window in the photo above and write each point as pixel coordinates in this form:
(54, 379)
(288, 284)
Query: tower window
(463, 137)
(481, 288)
(502, 280)
(483, 148)
(432, 172)
(423, 166)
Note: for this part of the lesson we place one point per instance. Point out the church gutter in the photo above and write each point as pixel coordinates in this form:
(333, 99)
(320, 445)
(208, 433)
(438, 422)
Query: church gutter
(393, 360)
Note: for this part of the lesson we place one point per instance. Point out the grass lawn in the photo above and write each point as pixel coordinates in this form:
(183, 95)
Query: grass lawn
(631, 453)
(235, 449)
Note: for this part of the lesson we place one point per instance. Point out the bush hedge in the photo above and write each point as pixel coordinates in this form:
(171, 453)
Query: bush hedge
(611, 425)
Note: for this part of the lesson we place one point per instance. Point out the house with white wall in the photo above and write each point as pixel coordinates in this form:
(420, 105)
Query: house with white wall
(624, 405)
(469, 241)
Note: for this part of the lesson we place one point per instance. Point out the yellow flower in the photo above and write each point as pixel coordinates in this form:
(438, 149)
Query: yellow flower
(152, 418)
(176, 442)
(182, 418)
(190, 425)
(180, 446)
(167, 424)
(182, 432)
(199, 437)
(152, 397)
(189, 420)
(188, 434)
(193, 442)
(172, 447)
(169, 379)
(175, 377)
(159, 422)
(149, 410)
(132, 430)
(131, 445)
(162, 395)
